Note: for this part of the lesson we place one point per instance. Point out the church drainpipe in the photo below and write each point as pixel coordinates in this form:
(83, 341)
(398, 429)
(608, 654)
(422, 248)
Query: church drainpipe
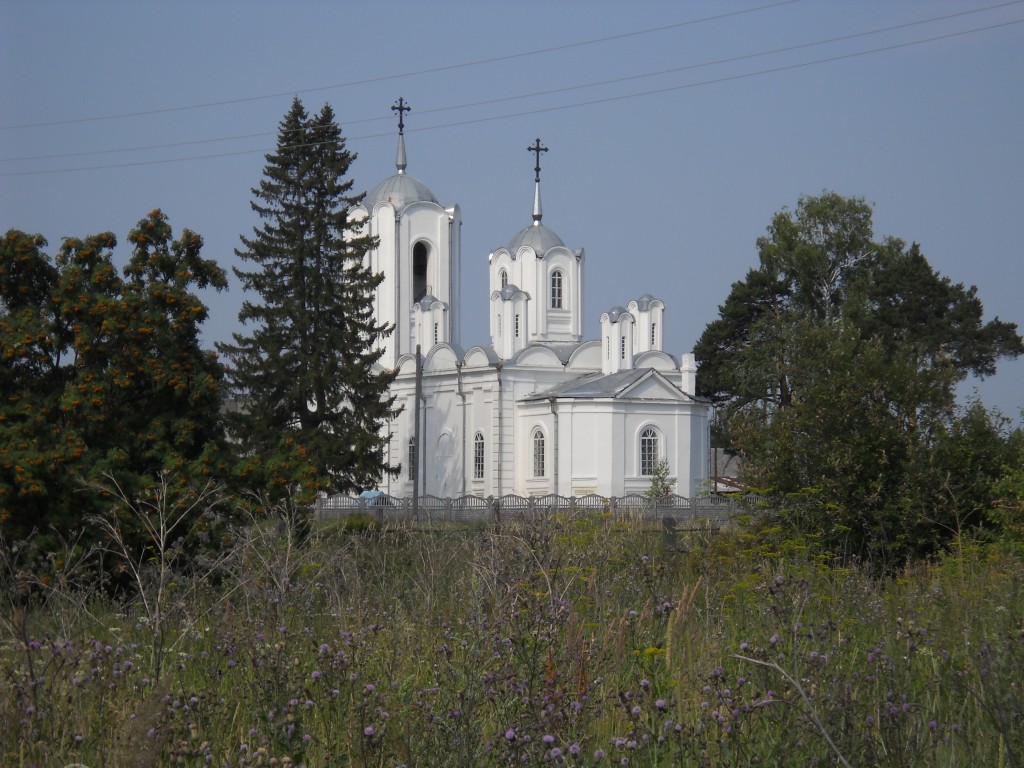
(554, 450)
(500, 445)
(416, 456)
(462, 396)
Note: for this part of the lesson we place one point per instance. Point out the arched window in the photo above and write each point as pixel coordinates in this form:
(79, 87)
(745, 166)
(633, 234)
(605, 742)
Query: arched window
(478, 456)
(538, 453)
(648, 451)
(503, 276)
(420, 256)
(412, 458)
(556, 289)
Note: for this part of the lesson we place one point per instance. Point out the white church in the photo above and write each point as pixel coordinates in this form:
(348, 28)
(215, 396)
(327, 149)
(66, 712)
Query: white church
(535, 409)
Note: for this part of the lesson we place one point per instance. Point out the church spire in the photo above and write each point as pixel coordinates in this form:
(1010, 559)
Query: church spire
(401, 108)
(537, 148)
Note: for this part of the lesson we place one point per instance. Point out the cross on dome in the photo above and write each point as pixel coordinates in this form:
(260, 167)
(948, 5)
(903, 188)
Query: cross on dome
(401, 108)
(537, 148)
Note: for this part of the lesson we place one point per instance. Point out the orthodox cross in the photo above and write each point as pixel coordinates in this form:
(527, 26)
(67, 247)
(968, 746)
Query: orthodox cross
(536, 148)
(401, 108)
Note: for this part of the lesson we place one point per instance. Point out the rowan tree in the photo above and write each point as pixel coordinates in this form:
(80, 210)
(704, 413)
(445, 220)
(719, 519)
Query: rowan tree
(104, 374)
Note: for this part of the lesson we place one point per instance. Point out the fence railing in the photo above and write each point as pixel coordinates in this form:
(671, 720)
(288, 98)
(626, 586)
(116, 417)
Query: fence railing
(712, 510)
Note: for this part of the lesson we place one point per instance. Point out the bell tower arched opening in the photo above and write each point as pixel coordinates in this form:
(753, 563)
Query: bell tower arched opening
(420, 262)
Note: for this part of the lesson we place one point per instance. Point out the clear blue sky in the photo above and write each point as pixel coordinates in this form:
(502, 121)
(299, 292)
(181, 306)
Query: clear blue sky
(672, 141)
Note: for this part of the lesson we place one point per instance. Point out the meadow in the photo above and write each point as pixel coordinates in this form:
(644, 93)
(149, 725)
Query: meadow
(568, 640)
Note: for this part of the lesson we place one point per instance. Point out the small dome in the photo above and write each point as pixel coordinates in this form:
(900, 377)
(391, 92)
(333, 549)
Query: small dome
(615, 313)
(537, 236)
(400, 190)
(508, 291)
(645, 301)
(427, 302)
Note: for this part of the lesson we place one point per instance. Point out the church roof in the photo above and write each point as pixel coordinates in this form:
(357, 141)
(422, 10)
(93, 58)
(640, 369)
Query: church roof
(599, 385)
(537, 236)
(399, 190)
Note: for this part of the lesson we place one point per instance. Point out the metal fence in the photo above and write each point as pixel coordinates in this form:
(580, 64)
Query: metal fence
(712, 510)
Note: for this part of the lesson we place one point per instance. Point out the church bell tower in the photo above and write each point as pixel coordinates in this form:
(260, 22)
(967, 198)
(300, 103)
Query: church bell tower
(418, 252)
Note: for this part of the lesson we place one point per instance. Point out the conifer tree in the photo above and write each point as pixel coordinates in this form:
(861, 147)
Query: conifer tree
(311, 398)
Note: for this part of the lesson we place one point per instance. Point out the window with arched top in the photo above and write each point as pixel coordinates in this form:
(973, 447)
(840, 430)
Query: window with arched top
(503, 277)
(538, 453)
(556, 289)
(648, 451)
(478, 456)
(420, 259)
(412, 458)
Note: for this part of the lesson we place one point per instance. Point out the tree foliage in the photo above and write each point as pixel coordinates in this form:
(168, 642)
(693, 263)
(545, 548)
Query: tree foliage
(834, 365)
(311, 399)
(102, 373)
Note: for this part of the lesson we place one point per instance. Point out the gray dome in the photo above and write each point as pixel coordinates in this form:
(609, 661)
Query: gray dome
(508, 291)
(537, 236)
(400, 190)
(615, 313)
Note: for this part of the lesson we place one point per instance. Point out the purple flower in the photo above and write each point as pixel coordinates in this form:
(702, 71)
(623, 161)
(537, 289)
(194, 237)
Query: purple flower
(556, 752)
(645, 683)
(510, 734)
(599, 754)
(315, 674)
(660, 704)
(370, 688)
(636, 711)
(548, 739)
(574, 749)
(368, 730)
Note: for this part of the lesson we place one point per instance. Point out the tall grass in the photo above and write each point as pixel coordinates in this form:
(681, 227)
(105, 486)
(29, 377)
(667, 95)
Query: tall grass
(572, 640)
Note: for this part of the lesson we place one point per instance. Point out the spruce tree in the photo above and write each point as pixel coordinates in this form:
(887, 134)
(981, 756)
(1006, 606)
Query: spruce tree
(312, 400)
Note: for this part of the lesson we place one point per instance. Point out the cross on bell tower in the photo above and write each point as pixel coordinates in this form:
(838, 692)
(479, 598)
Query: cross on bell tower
(401, 108)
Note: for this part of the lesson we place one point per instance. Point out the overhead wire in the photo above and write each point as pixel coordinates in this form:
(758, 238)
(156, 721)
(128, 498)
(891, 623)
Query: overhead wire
(548, 92)
(562, 107)
(403, 75)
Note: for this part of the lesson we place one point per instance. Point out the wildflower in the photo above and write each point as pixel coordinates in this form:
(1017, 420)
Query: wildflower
(556, 752)
(574, 749)
(599, 754)
(636, 711)
(510, 734)
(660, 704)
(368, 730)
(548, 739)
(315, 674)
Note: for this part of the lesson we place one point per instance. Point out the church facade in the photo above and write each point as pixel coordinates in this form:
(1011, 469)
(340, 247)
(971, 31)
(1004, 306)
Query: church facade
(535, 409)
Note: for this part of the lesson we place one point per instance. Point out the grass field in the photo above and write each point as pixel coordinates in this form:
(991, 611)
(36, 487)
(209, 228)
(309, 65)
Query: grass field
(568, 641)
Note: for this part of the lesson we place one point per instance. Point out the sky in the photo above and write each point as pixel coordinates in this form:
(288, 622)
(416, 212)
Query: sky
(676, 129)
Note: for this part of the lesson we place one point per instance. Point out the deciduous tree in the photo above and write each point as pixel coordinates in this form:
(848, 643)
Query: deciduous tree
(103, 373)
(834, 366)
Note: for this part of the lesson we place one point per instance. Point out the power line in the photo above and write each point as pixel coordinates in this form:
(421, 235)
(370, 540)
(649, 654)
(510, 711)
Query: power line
(415, 73)
(565, 89)
(576, 105)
